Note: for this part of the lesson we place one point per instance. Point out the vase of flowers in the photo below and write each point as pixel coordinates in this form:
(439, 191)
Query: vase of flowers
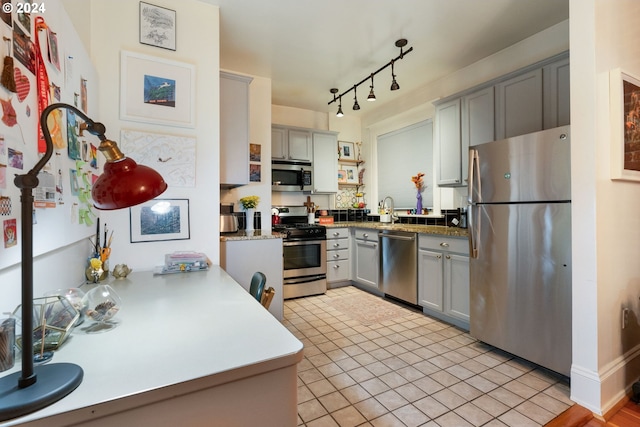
(249, 204)
(419, 183)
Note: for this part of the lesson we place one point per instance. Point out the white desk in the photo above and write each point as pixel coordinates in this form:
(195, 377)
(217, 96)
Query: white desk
(191, 349)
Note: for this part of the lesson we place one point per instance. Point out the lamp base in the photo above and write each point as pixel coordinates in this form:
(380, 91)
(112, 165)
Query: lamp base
(55, 381)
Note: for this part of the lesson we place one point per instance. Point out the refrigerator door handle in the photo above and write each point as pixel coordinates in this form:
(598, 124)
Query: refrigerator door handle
(474, 229)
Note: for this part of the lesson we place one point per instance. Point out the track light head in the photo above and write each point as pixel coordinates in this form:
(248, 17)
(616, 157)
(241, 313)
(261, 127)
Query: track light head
(372, 96)
(394, 83)
(356, 106)
(340, 113)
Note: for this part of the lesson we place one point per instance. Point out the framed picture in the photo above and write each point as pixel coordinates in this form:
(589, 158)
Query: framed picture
(160, 219)
(157, 26)
(351, 174)
(624, 92)
(156, 90)
(342, 176)
(347, 150)
(255, 152)
(255, 172)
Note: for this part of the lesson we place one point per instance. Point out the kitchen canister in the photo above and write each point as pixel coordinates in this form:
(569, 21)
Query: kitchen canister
(7, 343)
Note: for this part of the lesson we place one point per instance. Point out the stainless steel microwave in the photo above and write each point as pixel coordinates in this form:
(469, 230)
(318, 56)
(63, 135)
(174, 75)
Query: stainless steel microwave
(291, 176)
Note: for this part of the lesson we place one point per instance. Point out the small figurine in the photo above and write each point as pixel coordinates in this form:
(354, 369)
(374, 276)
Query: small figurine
(120, 271)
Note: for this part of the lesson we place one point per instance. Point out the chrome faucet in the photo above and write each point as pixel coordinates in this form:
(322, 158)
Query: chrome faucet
(391, 209)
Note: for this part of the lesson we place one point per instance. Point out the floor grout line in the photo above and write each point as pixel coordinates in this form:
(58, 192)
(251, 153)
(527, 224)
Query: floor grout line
(408, 369)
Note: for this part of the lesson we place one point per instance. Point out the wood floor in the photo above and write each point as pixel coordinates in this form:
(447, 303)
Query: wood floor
(577, 416)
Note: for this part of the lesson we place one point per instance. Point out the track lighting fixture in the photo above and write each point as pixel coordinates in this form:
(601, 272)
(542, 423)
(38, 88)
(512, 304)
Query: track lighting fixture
(356, 106)
(334, 91)
(394, 83)
(340, 113)
(372, 97)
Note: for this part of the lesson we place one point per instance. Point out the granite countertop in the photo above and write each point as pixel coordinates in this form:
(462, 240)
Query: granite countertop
(250, 235)
(411, 228)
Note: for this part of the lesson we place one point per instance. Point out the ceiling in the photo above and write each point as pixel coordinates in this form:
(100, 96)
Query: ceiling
(307, 47)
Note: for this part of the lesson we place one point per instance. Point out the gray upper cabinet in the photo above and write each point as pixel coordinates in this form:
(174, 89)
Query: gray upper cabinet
(525, 101)
(478, 123)
(557, 99)
(447, 133)
(234, 130)
(519, 105)
(325, 162)
(291, 144)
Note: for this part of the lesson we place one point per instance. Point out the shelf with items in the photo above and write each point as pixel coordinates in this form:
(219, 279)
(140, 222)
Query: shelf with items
(351, 162)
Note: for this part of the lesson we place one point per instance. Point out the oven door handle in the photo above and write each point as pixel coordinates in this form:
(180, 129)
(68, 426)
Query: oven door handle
(302, 242)
(305, 279)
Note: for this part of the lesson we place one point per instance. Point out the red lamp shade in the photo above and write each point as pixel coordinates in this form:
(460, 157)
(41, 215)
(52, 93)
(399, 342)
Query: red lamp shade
(125, 183)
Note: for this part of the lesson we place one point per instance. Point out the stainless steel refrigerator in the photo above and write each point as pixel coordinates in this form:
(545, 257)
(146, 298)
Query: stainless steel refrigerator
(520, 241)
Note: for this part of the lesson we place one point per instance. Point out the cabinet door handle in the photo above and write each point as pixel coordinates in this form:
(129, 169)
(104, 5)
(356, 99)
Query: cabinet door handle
(336, 245)
(336, 266)
(336, 256)
(365, 235)
(444, 244)
(448, 256)
(336, 234)
(439, 257)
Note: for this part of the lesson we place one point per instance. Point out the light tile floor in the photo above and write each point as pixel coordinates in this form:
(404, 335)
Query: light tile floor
(412, 370)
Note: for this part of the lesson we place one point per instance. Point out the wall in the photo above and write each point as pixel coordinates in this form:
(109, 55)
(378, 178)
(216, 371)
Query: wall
(606, 359)
(259, 133)
(115, 27)
(60, 242)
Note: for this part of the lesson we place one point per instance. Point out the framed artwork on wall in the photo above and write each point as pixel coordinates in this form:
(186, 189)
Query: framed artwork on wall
(159, 220)
(157, 26)
(347, 150)
(156, 90)
(624, 92)
(351, 174)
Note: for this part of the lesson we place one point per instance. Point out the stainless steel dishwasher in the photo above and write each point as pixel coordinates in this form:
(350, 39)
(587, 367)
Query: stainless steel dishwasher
(399, 265)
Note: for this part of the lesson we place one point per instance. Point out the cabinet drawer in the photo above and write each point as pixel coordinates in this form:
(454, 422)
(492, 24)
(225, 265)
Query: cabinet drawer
(444, 243)
(337, 244)
(338, 254)
(366, 234)
(337, 233)
(337, 271)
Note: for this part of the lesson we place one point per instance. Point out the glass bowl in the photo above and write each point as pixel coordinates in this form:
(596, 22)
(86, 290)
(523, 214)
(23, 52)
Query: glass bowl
(101, 303)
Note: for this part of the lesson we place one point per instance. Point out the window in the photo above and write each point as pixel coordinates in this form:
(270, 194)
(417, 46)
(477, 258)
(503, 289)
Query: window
(402, 154)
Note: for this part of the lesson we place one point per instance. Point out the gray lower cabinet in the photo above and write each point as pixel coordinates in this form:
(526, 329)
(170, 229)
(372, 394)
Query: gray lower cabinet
(337, 256)
(365, 258)
(443, 278)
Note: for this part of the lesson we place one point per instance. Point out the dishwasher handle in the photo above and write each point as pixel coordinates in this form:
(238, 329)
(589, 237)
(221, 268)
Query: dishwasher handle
(397, 236)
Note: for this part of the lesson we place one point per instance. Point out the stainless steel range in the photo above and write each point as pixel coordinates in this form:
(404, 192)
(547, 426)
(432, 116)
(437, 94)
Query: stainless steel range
(304, 252)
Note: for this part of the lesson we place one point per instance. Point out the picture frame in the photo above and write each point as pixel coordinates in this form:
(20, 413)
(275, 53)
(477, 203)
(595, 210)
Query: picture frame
(156, 90)
(255, 152)
(342, 176)
(157, 26)
(255, 172)
(351, 174)
(624, 92)
(347, 150)
(160, 220)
